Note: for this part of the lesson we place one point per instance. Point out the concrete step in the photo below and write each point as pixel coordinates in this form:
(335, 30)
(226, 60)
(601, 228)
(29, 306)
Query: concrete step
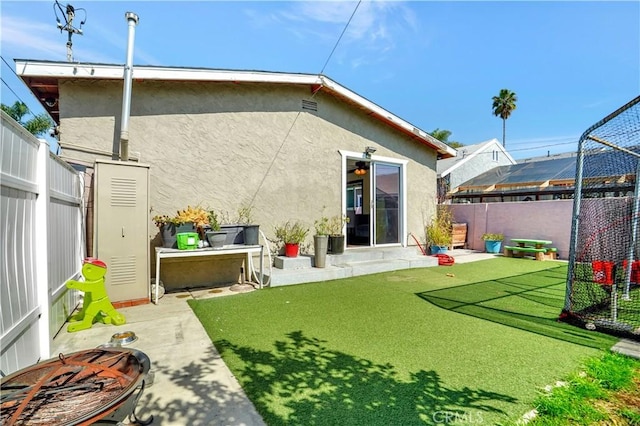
(299, 262)
(348, 257)
(368, 254)
(344, 266)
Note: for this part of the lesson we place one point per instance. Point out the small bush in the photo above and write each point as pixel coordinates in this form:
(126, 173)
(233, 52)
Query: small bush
(613, 371)
(439, 230)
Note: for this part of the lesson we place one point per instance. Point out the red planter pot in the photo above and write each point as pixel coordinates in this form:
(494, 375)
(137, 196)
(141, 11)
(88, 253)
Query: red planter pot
(291, 250)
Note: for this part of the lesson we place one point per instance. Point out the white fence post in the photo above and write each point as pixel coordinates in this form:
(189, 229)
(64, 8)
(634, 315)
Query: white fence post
(42, 244)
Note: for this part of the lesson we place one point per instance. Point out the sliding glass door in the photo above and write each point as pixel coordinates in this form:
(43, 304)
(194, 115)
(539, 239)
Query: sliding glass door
(374, 200)
(387, 215)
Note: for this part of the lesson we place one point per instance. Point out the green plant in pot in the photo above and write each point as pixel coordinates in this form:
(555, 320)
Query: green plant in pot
(167, 227)
(196, 215)
(291, 234)
(162, 219)
(250, 228)
(335, 228)
(170, 226)
(492, 242)
(439, 230)
(215, 236)
(234, 224)
(321, 242)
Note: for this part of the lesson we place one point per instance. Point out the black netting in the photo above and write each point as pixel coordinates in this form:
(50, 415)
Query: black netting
(603, 283)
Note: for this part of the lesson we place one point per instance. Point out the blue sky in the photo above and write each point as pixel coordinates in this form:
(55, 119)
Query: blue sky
(436, 64)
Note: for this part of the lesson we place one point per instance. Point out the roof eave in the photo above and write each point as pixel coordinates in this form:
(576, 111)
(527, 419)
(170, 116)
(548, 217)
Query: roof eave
(30, 69)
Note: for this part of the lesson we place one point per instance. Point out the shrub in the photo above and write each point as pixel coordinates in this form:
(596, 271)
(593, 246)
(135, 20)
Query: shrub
(492, 237)
(291, 232)
(439, 230)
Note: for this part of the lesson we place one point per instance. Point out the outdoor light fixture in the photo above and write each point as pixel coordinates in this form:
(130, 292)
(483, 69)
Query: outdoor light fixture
(368, 151)
(361, 168)
(50, 102)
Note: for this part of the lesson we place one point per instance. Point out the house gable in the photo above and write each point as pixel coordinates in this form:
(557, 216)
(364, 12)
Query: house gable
(467, 153)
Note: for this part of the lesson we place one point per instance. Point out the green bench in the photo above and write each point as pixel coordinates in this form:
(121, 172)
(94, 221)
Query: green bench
(540, 253)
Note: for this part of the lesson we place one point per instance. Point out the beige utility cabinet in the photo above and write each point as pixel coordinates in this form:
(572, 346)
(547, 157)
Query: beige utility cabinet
(121, 210)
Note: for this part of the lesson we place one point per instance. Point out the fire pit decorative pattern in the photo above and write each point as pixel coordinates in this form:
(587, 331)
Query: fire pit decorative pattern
(81, 388)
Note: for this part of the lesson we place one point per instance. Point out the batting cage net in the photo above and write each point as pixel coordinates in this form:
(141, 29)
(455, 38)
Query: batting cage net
(603, 280)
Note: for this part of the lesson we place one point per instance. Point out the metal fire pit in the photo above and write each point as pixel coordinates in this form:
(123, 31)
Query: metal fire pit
(82, 388)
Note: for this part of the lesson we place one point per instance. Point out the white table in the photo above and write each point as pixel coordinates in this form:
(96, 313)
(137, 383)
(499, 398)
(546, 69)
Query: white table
(248, 251)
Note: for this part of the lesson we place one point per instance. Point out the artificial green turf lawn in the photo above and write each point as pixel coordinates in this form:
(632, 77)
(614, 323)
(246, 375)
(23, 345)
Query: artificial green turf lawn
(401, 348)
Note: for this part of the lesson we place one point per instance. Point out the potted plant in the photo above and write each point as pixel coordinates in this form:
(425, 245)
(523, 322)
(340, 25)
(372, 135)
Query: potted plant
(321, 241)
(250, 230)
(492, 242)
(191, 219)
(291, 234)
(167, 226)
(439, 230)
(336, 237)
(215, 236)
(196, 215)
(231, 225)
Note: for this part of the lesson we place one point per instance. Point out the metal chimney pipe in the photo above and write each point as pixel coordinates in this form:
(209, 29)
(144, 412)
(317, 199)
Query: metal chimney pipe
(132, 20)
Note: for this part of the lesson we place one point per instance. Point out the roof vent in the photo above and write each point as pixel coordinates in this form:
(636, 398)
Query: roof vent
(309, 105)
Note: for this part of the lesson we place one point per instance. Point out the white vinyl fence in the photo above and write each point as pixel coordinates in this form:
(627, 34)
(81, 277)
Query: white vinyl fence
(42, 245)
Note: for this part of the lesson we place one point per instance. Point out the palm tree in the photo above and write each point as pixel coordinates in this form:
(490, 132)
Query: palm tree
(37, 125)
(503, 106)
(443, 136)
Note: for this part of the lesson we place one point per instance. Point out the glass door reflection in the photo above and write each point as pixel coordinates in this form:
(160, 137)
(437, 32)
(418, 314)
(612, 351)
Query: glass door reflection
(387, 203)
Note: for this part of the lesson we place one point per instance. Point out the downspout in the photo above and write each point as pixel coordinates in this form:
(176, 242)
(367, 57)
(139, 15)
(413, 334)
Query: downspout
(132, 20)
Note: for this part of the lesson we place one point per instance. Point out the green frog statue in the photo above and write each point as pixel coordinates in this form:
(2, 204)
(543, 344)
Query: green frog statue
(96, 306)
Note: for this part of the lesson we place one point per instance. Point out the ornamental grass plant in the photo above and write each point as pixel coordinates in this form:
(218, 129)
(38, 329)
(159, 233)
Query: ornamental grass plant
(439, 230)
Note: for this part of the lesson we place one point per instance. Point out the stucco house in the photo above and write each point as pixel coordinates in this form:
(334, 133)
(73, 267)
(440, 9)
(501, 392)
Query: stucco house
(470, 161)
(288, 145)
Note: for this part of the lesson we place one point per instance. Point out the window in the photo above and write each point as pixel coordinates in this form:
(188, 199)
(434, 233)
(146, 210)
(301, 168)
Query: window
(495, 155)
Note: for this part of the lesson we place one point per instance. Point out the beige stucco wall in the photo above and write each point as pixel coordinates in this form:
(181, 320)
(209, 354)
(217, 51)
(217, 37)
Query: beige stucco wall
(226, 145)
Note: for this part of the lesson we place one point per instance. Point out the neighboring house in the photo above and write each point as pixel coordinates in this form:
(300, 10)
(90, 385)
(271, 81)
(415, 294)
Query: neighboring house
(550, 178)
(471, 161)
(286, 144)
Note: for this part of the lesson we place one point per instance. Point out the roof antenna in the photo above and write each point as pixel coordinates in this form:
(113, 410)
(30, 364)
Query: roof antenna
(68, 16)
